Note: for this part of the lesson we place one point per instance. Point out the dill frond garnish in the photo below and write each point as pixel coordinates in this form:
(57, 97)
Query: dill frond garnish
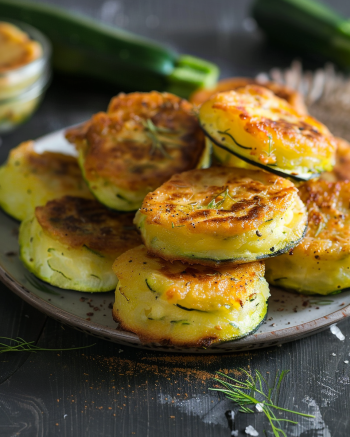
(321, 302)
(256, 392)
(20, 345)
(176, 226)
(160, 138)
(320, 228)
(271, 150)
(213, 204)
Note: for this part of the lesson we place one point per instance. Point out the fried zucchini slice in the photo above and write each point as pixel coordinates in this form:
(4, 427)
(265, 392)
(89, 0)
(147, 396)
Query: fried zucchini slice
(72, 243)
(320, 264)
(222, 215)
(264, 130)
(140, 143)
(173, 304)
(341, 170)
(30, 179)
(294, 98)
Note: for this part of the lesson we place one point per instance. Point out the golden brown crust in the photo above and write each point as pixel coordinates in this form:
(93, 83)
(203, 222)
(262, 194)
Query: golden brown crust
(206, 284)
(47, 162)
(77, 134)
(328, 209)
(54, 169)
(291, 96)
(253, 198)
(79, 222)
(282, 122)
(120, 146)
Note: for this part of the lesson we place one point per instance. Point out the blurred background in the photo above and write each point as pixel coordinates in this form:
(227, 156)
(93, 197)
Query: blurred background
(218, 30)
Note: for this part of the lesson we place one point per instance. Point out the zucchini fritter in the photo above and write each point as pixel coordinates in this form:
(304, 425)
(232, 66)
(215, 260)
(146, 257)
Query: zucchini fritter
(291, 96)
(30, 179)
(264, 130)
(222, 215)
(72, 243)
(320, 264)
(170, 303)
(140, 143)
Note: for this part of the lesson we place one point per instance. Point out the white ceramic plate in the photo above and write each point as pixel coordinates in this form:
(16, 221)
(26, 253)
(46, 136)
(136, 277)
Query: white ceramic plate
(290, 316)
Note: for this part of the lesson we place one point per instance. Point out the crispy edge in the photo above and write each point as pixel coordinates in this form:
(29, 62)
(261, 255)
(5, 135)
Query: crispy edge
(284, 92)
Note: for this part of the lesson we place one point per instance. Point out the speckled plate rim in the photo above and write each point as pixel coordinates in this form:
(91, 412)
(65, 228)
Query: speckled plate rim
(254, 341)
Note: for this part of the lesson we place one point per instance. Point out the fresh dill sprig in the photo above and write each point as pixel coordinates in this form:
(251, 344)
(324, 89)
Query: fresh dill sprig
(160, 137)
(213, 204)
(320, 228)
(321, 302)
(271, 150)
(257, 392)
(20, 345)
(176, 226)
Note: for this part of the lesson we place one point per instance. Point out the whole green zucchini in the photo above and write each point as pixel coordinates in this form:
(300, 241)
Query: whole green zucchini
(84, 47)
(305, 25)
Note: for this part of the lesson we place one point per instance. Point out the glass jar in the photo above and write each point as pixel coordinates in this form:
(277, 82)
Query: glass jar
(22, 88)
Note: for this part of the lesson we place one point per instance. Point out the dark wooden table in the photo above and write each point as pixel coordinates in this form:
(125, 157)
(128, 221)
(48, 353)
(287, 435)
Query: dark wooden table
(109, 390)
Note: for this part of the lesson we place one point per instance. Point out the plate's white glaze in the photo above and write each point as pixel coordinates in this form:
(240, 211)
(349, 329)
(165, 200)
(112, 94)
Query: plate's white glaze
(290, 316)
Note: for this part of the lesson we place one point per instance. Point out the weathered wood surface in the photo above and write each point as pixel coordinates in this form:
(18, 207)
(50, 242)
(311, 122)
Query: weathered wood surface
(109, 390)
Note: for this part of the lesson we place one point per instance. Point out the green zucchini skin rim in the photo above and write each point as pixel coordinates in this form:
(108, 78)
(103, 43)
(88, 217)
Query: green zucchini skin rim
(267, 168)
(244, 260)
(33, 272)
(81, 166)
(248, 333)
(102, 203)
(220, 342)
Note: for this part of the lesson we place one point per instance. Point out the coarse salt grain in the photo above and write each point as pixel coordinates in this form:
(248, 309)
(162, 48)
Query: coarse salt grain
(259, 407)
(337, 332)
(234, 433)
(346, 362)
(251, 431)
(334, 355)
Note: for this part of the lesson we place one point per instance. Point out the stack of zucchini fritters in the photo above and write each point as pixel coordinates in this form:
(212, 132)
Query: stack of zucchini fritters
(198, 277)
